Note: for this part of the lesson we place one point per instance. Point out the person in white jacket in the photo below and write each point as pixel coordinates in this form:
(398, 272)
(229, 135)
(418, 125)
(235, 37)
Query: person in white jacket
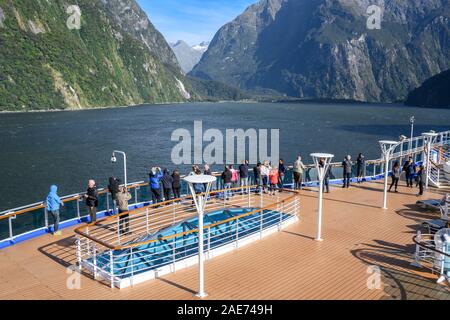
(265, 172)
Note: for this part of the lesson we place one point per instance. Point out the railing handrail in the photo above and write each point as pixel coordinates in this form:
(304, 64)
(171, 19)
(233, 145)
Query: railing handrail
(39, 205)
(431, 236)
(138, 244)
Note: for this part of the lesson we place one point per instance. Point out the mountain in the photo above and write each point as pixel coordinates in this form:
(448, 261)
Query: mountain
(116, 57)
(435, 92)
(323, 49)
(188, 56)
(202, 47)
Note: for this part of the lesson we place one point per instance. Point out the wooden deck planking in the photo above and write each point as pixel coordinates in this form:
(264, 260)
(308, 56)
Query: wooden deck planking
(286, 265)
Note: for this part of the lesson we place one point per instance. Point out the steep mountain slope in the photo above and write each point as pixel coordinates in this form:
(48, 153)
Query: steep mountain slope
(435, 92)
(116, 58)
(187, 56)
(323, 48)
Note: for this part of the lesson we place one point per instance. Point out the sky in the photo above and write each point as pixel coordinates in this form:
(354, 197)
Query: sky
(193, 21)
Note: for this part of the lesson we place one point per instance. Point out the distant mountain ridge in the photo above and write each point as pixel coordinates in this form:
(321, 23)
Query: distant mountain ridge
(322, 49)
(435, 92)
(188, 56)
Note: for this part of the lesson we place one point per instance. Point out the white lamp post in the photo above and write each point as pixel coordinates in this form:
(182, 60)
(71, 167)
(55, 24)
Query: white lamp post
(387, 147)
(411, 120)
(430, 137)
(321, 171)
(114, 160)
(200, 202)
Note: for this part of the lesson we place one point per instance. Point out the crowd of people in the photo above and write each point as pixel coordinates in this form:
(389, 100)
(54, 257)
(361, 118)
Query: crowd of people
(269, 179)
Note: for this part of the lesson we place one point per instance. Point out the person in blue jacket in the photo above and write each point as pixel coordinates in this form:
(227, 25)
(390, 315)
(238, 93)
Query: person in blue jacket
(53, 203)
(155, 177)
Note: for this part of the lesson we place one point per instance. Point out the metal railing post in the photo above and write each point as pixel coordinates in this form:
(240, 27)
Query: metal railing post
(78, 208)
(132, 266)
(10, 226)
(261, 224)
(248, 196)
(118, 230)
(146, 220)
(209, 243)
(95, 261)
(46, 217)
(111, 262)
(79, 254)
(174, 253)
(237, 233)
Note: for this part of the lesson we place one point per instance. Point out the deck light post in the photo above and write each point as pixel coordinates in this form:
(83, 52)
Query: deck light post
(411, 120)
(200, 202)
(387, 148)
(429, 138)
(114, 160)
(322, 162)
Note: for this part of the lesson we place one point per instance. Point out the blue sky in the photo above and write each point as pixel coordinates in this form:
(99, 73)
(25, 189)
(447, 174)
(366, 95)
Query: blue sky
(193, 21)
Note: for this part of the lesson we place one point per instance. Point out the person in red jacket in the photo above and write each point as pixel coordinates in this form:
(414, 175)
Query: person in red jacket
(273, 177)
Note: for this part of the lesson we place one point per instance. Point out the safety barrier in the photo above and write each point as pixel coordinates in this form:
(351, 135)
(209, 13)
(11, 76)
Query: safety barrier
(163, 237)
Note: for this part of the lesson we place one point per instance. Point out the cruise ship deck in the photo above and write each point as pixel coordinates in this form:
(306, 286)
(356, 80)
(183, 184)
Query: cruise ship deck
(288, 264)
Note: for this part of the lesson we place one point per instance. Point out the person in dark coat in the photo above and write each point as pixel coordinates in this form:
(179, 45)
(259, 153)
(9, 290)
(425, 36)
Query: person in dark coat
(410, 169)
(257, 176)
(226, 178)
(421, 179)
(113, 188)
(327, 176)
(91, 197)
(243, 176)
(281, 174)
(347, 174)
(167, 182)
(176, 184)
(360, 166)
(395, 176)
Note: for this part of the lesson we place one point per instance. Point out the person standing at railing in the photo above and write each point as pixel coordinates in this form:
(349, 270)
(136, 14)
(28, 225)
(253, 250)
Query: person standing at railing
(226, 178)
(113, 188)
(243, 176)
(281, 174)
(122, 202)
(207, 172)
(234, 176)
(91, 197)
(274, 180)
(347, 168)
(326, 178)
(299, 168)
(257, 176)
(53, 203)
(155, 177)
(410, 171)
(265, 172)
(395, 176)
(360, 165)
(167, 182)
(176, 184)
(421, 179)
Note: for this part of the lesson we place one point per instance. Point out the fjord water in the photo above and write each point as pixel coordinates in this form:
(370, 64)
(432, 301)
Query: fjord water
(68, 148)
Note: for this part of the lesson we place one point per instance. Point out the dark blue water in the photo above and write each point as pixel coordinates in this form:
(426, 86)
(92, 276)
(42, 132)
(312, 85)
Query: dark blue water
(68, 148)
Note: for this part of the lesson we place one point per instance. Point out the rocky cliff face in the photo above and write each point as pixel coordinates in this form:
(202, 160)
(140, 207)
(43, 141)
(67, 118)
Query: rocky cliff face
(116, 57)
(323, 48)
(435, 92)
